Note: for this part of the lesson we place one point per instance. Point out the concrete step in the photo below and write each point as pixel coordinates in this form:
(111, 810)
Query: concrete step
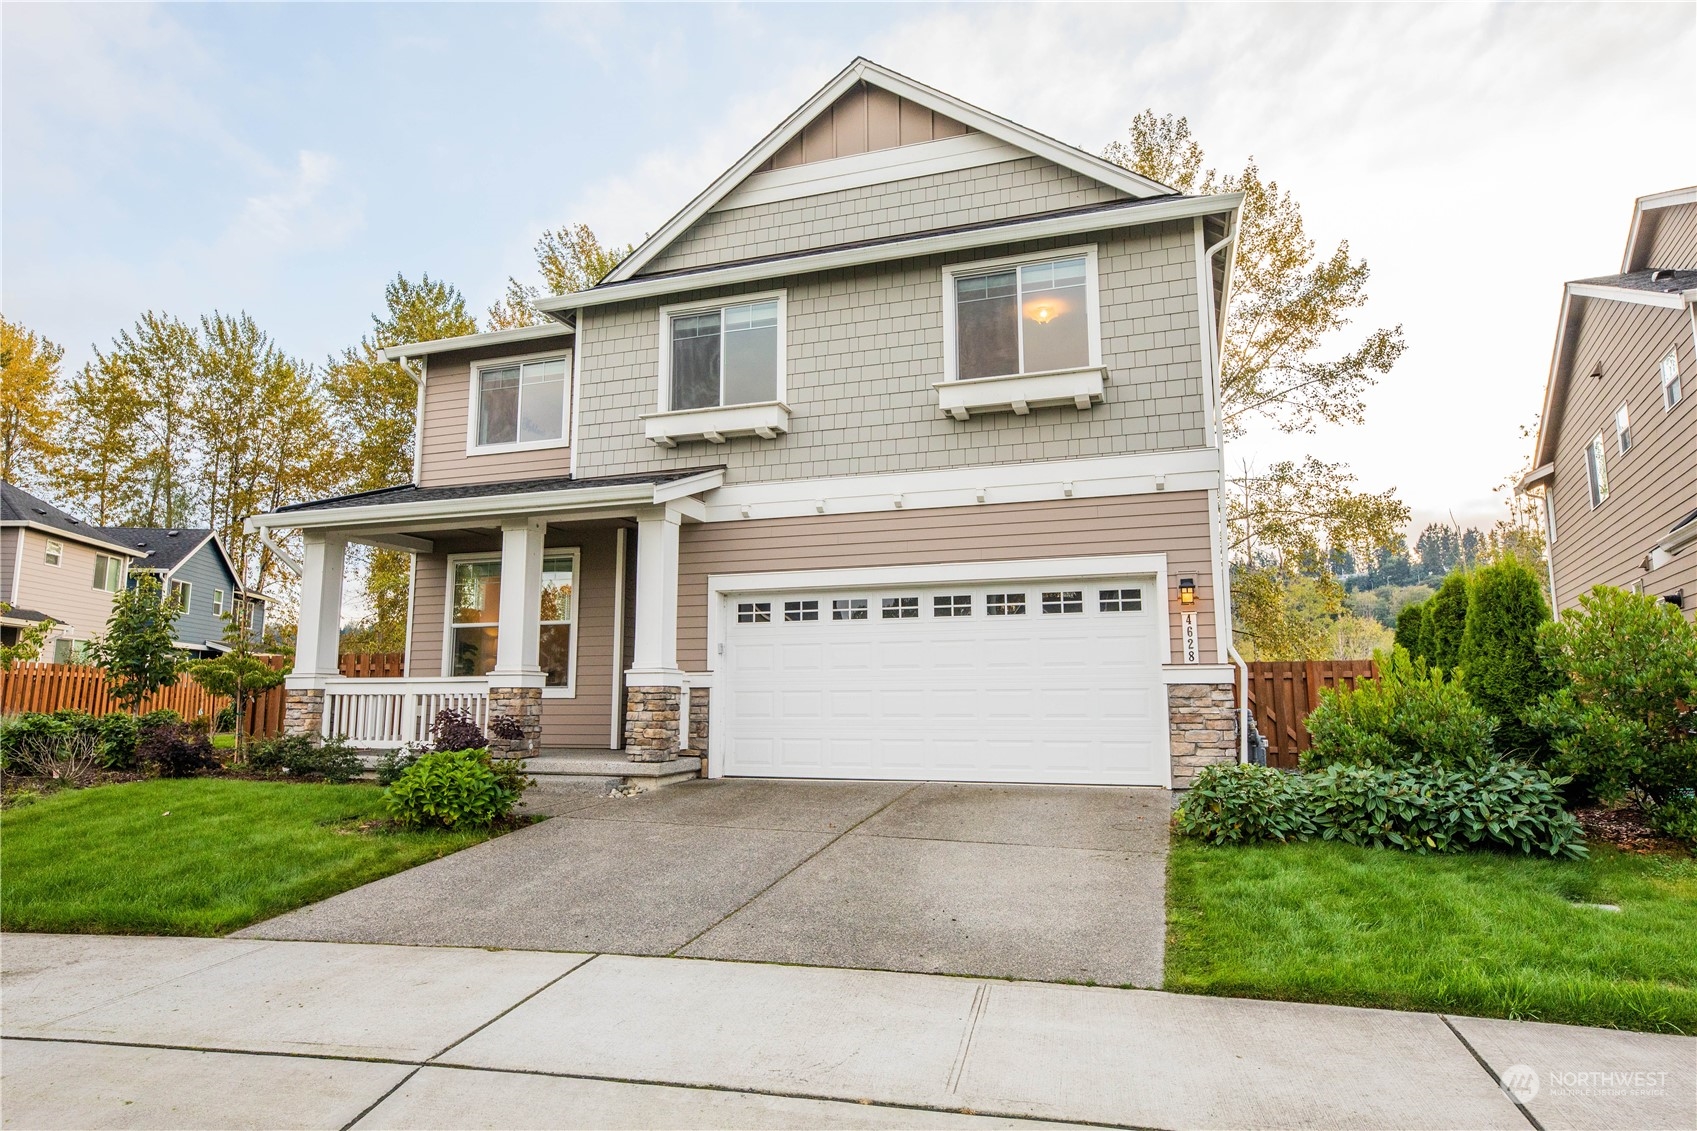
(566, 765)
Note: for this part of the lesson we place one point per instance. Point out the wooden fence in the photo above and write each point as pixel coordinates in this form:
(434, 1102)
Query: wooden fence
(83, 687)
(373, 665)
(1282, 693)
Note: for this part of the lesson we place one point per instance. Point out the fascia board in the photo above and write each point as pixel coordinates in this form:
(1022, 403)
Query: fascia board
(1664, 299)
(55, 532)
(1547, 422)
(919, 245)
(477, 341)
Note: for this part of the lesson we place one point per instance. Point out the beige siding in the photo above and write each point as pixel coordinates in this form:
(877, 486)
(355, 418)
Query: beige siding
(1674, 243)
(581, 721)
(865, 346)
(447, 414)
(8, 561)
(864, 120)
(1654, 483)
(1173, 524)
(1005, 190)
(64, 592)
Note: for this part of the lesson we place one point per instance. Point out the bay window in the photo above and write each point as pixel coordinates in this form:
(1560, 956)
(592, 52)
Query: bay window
(519, 403)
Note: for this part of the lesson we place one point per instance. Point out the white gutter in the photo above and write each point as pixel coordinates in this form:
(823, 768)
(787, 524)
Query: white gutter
(474, 341)
(1139, 215)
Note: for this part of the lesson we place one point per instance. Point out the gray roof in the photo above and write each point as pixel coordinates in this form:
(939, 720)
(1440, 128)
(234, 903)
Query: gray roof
(161, 548)
(1657, 279)
(25, 614)
(410, 493)
(18, 505)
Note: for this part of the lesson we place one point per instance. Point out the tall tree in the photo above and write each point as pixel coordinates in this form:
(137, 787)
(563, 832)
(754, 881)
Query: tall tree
(137, 650)
(1448, 610)
(569, 258)
(101, 425)
(1499, 651)
(156, 361)
(29, 408)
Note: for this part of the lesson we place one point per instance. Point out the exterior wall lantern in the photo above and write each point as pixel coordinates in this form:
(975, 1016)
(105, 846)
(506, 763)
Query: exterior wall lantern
(1187, 591)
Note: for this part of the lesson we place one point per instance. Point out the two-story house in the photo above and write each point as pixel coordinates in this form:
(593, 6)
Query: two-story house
(1616, 458)
(54, 566)
(196, 573)
(895, 454)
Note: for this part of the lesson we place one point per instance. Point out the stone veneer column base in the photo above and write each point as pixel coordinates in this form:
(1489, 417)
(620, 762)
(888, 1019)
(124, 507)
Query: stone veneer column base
(524, 706)
(698, 697)
(303, 711)
(651, 723)
(1203, 725)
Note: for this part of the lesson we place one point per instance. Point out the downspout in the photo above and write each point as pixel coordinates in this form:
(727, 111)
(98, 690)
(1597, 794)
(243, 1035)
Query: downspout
(1244, 719)
(1215, 328)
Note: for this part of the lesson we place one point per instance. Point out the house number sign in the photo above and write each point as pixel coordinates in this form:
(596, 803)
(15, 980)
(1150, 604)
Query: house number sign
(1192, 645)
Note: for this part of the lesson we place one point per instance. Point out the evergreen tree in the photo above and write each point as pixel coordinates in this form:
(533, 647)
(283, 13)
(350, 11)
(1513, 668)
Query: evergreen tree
(1499, 650)
(1423, 633)
(1449, 620)
(1408, 625)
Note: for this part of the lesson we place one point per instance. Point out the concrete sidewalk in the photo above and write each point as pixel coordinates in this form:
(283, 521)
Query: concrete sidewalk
(139, 1032)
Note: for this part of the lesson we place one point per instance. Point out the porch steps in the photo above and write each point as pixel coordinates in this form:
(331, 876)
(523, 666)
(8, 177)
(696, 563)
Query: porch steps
(562, 765)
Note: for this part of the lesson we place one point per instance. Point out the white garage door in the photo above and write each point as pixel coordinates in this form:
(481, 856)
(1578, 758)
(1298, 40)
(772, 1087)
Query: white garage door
(1048, 681)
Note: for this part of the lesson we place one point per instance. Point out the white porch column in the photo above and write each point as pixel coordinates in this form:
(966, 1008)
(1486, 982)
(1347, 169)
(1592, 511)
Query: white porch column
(655, 657)
(319, 629)
(521, 605)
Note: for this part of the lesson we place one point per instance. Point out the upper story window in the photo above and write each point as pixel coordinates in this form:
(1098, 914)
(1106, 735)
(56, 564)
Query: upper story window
(55, 553)
(520, 403)
(1596, 470)
(722, 355)
(108, 573)
(218, 602)
(1670, 379)
(179, 593)
(1623, 431)
(1014, 317)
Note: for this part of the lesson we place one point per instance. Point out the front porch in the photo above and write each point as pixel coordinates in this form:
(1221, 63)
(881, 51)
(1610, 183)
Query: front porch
(552, 604)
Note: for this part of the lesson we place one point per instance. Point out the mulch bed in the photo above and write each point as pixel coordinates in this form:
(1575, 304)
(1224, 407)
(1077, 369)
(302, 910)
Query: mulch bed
(1625, 828)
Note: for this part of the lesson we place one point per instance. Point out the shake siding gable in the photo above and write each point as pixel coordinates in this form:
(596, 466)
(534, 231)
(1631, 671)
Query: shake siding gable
(865, 346)
(1652, 485)
(1173, 524)
(1027, 186)
(447, 408)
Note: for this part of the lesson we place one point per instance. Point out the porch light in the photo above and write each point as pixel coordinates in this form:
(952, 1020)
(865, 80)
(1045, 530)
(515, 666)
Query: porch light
(1187, 591)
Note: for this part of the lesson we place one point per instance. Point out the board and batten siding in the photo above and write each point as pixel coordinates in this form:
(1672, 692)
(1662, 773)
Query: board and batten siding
(581, 721)
(66, 591)
(445, 460)
(864, 120)
(1175, 524)
(1004, 190)
(864, 347)
(1650, 487)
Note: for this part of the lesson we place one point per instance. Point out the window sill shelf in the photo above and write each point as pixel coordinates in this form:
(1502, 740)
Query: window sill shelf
(767, 420)
(1021, 392)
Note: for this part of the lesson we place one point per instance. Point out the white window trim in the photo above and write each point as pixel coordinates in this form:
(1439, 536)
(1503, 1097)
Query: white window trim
(1623, 431)
(123, 575)
(188, 592)
(1092, 303)
(474, 403)
(569, 691)
(1661, 375)
(663, 401)
(1596, 472)
(54, 554)
(218, 602)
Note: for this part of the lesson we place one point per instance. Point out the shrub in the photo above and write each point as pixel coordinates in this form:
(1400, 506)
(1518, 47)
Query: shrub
(1627, 720)
(391, 764)
(1408, 716)
(1408, 625)
(119, 734)
(176, 750)
(303, 756)
(225, 722)
(450, 789)
(162, 717)
(1677, 818)
(456, 730)
(1501, 667)
(1503, 805)
(29, 728)
(1448, 610)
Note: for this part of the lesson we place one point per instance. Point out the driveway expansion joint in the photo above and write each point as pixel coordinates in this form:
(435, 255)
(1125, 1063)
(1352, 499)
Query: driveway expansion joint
(1491, 1072)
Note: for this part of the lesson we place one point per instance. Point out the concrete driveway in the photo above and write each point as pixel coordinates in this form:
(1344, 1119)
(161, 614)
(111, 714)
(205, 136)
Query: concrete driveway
(1047, 883)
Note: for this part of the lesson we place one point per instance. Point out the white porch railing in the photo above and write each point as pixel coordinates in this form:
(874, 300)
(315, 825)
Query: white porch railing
(385, 714)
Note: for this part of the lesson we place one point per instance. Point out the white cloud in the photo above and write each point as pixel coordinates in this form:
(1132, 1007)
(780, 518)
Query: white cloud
(307, 208)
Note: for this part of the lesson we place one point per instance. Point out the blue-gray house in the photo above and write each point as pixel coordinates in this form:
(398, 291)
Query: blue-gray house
(194, 569)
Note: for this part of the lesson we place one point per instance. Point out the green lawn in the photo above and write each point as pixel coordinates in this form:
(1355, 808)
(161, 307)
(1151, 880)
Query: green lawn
(1480, 933)
(196, 856)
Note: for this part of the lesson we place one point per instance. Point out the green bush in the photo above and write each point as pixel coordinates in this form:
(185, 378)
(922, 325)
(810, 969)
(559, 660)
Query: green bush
(1627, 720)
(225, 721)
(1449, 620)
(391, 764)
(176, 751)
(1677, 818)
(1408, 716)
(114, 735)
(162, 717)
(451, 789)
(304, 756)
(1500, 664)
(31, 727)
(1503, 805)
(1408, 625)
(119, 733)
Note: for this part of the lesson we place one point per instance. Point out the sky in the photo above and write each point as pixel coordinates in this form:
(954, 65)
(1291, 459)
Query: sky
(289, 159)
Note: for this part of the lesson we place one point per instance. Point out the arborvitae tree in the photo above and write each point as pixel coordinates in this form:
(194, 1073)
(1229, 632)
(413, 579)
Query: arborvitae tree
(1449, 620)
(1408, 624)
(1499, 650)
(1423, 633)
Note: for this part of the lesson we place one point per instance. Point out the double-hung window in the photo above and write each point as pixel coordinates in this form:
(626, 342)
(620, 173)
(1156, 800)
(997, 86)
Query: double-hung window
(218, 602)
(1023, 318)
(519, 403)
(1623, 431)
(723, 356)
(55, 553)
(179, 592)
(108, 573)
(1670, 379)
(1596, 470)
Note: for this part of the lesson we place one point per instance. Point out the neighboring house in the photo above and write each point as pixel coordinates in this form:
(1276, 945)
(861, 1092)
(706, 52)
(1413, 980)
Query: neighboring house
(194, 569)
(54, 566)
(895, 454)
(1616, 459)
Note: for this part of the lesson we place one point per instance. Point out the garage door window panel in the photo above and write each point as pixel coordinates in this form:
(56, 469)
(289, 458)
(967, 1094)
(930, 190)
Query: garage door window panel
(1064, 601)
(1120, 600)
(900, 608)
(850, 608)
(801, 610)
(953, 605)
(754, 612)
(1005, 605)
